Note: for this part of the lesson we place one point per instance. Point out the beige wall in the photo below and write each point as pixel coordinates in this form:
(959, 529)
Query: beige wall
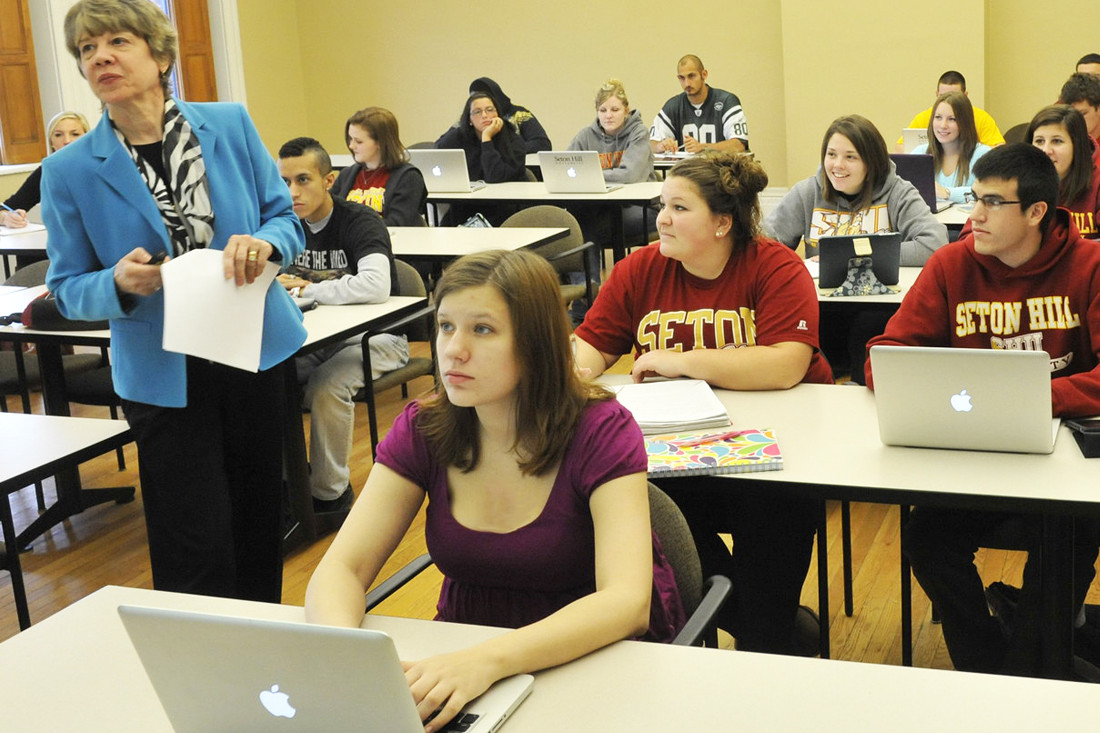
(10, 183)
(795, 64)
(878, 59)
(273, 67)
(1030, 52)
(423, 76)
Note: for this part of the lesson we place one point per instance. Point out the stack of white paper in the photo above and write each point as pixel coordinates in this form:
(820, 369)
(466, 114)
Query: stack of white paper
(673, 406)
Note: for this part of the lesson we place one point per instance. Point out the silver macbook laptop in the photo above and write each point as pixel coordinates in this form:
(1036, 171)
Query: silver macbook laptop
(444, 171)
(970, 399)
(913, 137)
(215, 672)
(573, 171)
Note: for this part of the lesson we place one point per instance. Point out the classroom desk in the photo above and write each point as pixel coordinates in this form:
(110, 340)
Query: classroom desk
(906, 277)
(443, 244)
(71, 497)
(828, 435)
(324, 325)
(35, 447)
(660, 162)
(956, 215)
(53, 676)
(21, 242)
(526, 193)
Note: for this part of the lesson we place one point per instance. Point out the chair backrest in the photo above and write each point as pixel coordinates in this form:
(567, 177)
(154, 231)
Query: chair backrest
(529, 176)
(553, 216)
(675, 536)
(424, 145)
(409, 282)
(30, 275)
(1016, 133)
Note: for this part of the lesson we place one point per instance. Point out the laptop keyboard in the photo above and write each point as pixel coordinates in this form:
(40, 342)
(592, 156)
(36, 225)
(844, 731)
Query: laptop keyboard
(459, 723)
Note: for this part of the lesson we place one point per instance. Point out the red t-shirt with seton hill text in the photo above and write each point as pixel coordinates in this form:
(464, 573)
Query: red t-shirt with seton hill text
(370, 188)
(764, 296)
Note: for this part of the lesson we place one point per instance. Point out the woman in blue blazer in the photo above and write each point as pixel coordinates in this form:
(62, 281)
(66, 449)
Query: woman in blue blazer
(161, 176)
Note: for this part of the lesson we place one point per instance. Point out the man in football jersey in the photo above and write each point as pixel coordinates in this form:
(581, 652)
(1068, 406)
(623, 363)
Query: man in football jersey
(701, 118)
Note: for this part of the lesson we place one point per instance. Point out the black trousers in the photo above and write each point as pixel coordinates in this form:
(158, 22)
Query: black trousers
(773, 532)
(940, 545)
(211, 482)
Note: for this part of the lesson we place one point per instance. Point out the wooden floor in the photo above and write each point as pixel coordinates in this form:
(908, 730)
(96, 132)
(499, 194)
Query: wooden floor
(106, 545)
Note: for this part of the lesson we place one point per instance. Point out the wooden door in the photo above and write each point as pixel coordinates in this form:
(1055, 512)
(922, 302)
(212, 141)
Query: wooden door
(22, 137)
(196, 55)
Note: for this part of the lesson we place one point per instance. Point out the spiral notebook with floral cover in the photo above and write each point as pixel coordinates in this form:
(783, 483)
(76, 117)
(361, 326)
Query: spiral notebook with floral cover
(701, 454)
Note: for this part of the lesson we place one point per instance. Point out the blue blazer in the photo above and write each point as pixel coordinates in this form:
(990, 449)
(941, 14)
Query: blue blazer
(97, 208)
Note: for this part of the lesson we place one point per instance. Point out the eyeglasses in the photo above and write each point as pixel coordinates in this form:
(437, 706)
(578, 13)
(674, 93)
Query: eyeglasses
(483, 111)
(993, 203)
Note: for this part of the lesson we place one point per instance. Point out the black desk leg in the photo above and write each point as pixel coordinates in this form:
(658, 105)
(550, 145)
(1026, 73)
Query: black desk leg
(906, 591)
(1056, 591)
(823, 579)
(71, 498)
(618, 225)
(10, 560)
(296, 465)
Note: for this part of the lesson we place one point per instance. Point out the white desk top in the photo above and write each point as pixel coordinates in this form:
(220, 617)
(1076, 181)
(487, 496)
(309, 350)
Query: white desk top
(29, 239)
(78, 671)
(956, 215)
(906, 277)
(29, 442)
(453, 242)
(332, 322)
(660, 162)
(860, 464)
(325, 322)
(630, 193)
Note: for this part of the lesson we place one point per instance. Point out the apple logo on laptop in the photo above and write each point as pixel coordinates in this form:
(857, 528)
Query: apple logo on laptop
(571, 172)
(437, 171)
(961, 402)
(277, 703)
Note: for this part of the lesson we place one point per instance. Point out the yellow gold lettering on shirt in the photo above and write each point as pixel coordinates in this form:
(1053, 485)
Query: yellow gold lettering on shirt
(665, 330)
(1036, 314)
(647, 339)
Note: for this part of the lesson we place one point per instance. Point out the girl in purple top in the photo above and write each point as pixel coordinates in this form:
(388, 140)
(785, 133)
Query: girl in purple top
(537, 514)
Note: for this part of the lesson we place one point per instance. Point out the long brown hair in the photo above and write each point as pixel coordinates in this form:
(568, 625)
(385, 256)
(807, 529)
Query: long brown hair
(549, 397)
(381, 125)
(1079, 175)
(968, 134)
(868, 142)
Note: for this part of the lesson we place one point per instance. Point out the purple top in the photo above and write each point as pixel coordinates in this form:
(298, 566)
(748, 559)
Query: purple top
(516, 578)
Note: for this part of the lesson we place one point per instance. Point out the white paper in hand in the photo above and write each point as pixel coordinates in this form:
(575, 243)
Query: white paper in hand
(207, 316)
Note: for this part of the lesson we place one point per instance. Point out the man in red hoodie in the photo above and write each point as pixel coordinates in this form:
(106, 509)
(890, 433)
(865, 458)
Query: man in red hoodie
(1022, 279)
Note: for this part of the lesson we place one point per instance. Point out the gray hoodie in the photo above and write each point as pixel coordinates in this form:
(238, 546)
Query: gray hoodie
(896, 207)
(626, 155)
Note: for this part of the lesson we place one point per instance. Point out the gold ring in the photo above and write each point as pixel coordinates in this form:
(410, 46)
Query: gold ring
(253, 255)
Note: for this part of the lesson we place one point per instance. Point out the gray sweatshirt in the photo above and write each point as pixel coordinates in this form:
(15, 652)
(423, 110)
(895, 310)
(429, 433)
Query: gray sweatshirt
(626, 156)
(896, 207)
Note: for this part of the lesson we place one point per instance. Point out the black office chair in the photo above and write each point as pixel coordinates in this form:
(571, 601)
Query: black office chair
(566, 254)
(1016, 133)
(416, 326)
(702, 599)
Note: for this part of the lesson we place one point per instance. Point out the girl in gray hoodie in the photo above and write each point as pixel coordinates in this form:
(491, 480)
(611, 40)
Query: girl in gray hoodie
(619, 136)
(856, 191)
